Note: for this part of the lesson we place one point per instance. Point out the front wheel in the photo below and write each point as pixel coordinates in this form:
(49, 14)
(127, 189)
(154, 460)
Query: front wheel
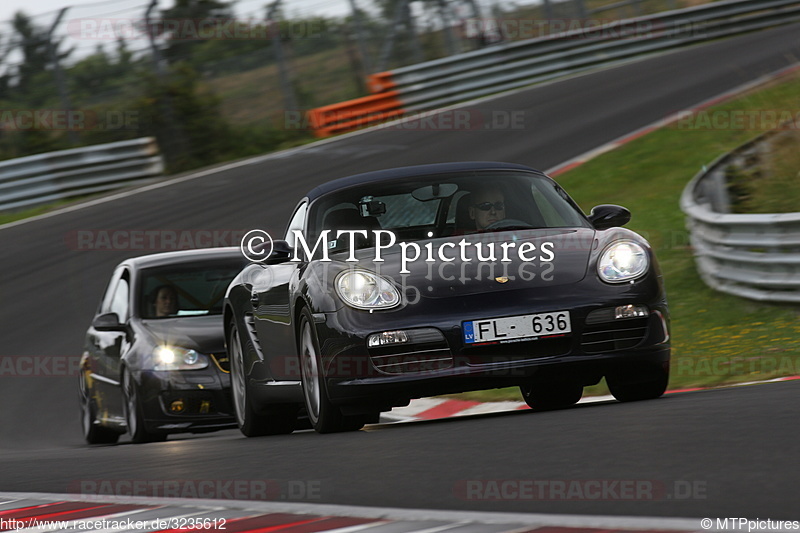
(134, 413)
(275, 420)
(93, 432)
(323, 415)
(551, 395)
(634, 387)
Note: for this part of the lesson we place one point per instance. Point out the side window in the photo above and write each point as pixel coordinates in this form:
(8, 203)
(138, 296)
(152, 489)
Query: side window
(119, 299)
(105, 303)
(297, 223)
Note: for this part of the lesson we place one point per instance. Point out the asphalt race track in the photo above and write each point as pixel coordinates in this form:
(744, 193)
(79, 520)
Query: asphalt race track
(715, 453)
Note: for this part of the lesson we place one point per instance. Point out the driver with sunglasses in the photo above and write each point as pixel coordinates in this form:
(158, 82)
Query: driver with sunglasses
(487, 207)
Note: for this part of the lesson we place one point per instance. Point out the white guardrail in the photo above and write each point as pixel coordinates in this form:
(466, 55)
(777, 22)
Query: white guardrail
(511, 65)
(748, 255)
(42, 178)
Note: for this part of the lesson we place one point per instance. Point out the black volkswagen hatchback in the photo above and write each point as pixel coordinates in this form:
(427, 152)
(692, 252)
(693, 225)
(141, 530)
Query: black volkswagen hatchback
(154, 360)
(438, 279)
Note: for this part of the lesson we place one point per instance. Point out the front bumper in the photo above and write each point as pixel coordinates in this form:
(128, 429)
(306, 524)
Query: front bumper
(187, 401)
(598, 345)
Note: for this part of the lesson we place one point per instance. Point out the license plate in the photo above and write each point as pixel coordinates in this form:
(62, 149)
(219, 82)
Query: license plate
(516, 327)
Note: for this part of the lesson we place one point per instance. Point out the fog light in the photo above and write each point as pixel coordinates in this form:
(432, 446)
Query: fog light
(387, 337)
(630, 311)
(177, 406)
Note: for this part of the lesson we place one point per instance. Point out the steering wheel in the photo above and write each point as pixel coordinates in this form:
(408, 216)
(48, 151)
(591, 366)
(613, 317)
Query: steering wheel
(508, 223)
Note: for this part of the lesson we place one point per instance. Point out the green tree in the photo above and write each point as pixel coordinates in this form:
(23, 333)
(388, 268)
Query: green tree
(32, 81)
(182, 24)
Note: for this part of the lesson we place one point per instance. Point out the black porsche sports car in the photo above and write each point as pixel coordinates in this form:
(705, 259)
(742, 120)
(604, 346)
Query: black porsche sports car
(439, 279)
(154, 360)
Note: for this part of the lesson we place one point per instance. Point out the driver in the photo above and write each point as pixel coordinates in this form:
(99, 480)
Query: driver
(488, 206)
(166, 301)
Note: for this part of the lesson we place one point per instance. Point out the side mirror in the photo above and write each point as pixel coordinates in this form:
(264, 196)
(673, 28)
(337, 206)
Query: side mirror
(609, 216)
(281, 251)
(107, 322)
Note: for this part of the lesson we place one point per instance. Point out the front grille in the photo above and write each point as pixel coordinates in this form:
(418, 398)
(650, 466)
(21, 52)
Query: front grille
(517, 351)
(417, 361)
(611, 336)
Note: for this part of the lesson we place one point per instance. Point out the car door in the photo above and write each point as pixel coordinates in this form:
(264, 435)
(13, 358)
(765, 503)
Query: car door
(107, 347)
(271, 299)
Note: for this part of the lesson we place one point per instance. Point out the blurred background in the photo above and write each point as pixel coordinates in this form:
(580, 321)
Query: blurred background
(214, 81)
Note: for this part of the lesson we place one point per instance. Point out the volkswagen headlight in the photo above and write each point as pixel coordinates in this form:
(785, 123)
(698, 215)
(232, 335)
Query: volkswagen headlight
(177, 358)
(622, 261)
(365, 290)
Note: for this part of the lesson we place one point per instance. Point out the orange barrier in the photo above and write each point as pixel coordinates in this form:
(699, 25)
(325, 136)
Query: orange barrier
(380, 82)
(354, 114)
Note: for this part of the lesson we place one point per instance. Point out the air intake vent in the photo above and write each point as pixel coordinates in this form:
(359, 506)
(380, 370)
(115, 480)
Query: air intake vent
(421, 361)
(612, 336)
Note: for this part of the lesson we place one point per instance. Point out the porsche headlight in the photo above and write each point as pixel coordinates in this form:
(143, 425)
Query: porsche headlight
(177, 358)
(622, 261)
(365, 290)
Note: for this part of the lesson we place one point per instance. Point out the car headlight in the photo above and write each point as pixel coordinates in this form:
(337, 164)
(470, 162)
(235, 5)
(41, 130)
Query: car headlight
(177, 358)
(622, 261)
(365, 290)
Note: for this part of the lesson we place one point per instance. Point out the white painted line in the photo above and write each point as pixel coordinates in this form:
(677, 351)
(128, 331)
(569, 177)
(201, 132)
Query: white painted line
(360, 527)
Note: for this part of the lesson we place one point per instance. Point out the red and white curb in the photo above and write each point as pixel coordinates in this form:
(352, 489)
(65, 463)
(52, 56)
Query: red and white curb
(43, 513)
(437, 408)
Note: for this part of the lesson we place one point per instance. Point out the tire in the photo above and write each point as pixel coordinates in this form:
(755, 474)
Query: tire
(323, 415)
(133, 412)
(541, 396)
(93, 432)
(252, 422)
(645, 385)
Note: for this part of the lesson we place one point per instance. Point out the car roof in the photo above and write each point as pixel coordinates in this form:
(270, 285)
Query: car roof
(408, 172)
(184, 256)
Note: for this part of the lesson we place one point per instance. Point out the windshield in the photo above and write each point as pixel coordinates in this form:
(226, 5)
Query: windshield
(445, 205)
(185, 290)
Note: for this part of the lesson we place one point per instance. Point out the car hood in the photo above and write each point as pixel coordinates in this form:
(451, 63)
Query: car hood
(201, 333)
(560, 257)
